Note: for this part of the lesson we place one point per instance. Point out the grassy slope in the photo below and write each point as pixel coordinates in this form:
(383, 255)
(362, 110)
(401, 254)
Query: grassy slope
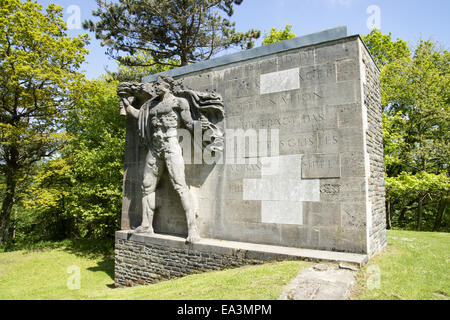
(416, 266)
(43, 275)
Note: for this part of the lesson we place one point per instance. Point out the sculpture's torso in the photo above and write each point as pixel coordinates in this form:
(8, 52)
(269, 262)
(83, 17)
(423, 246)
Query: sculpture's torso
(164, 122)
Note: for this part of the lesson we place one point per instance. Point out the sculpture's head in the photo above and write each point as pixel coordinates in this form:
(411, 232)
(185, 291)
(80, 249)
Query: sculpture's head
(161, 88)
(163, 85)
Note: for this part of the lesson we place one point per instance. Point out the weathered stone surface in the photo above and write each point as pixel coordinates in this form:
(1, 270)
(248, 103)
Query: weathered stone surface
(321, 282)
(279, 81)
(322, 185)
(316, 166)
(321, 267)
(374, 144)
(144, 259)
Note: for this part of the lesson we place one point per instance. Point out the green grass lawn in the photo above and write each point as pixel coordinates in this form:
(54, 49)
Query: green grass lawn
(43, 275)
(415, 266)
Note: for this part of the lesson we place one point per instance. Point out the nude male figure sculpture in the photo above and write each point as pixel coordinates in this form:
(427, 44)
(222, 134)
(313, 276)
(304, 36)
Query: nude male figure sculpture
(159, 120)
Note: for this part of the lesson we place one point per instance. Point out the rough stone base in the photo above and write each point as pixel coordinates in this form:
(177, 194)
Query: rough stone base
(145, 259)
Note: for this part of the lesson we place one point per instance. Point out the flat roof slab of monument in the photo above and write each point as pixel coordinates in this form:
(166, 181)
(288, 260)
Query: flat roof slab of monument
(242, 56)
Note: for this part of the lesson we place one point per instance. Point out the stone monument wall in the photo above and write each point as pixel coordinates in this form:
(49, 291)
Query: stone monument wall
(317, 103)
(374, 143)
(140, 263)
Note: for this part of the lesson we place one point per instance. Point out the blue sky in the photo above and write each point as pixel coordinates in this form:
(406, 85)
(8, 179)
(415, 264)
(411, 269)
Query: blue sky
(410, 20)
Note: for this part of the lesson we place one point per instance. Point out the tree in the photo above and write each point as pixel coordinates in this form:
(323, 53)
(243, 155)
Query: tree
(384, 49)
(415, 99)
(421, 190)
(79, 194)
(278, 35)
(136, 73)
(418, 96)
(96, 154)
(416, 92)
(170, 31)
(38, 67)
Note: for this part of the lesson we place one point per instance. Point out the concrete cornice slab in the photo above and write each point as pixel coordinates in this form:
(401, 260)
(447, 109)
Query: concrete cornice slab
(248, 250)
(303, 41)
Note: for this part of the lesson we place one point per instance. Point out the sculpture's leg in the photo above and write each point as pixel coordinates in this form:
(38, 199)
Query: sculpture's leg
(175, 166)
(152, 172)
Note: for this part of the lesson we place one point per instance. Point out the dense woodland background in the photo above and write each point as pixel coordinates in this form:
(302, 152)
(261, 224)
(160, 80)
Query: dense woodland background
(62, 138)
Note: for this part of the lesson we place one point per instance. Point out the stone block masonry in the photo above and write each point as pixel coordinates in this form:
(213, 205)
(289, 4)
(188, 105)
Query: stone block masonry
(139, 263)
(321, 93)
(374, 145)
(146, 259)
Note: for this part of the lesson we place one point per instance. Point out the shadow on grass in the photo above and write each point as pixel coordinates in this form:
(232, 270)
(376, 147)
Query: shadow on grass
(94, 249)
(106, 266)
(88, 248)
(85, 248)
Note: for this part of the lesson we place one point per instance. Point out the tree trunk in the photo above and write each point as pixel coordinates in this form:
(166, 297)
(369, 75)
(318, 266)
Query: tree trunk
(183, 58)
(420, 213)
(15, 224)
(441, 212)
(8, 202)
(402, 217)
(388, 215)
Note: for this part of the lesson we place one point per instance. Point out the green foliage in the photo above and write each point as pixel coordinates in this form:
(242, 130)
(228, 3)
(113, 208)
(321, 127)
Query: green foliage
(79, 194)
(407, 190)
(415, 98)
(421, 182)
(416, 89)
(98, 146)
(383, 49)
(169, 31)
(278, 35)
(38, 69)
(136, 73)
